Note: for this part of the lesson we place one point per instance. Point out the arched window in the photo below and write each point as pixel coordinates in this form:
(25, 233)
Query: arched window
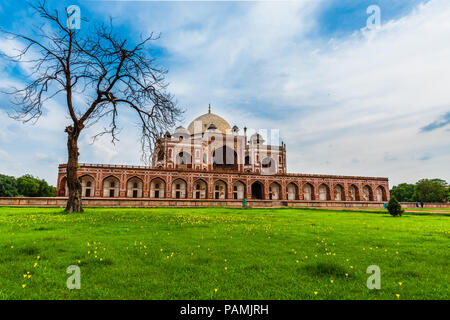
(157, 188)
(220, 190)
(87, 183)
(339, 194)
(367, 194)
(308, 192)
(111, 187)
(324, 192)
(238, 190)
(274, 191)
(381, 194)
(268, 166)
(184, 159)
(179, 188)
(225, 158)
(135, 187)
(292, 191)
(353, 193)
(200, 189)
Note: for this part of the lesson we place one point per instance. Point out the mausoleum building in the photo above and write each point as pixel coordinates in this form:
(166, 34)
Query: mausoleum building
(211, 160)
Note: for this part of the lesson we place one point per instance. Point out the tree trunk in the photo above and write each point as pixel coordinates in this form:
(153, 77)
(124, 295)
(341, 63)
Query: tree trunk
(73, 183)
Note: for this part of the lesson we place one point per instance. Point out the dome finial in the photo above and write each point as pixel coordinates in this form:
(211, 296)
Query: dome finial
(209, 109)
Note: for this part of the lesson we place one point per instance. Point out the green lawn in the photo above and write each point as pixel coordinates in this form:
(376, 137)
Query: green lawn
(429, 209)
(222, 253)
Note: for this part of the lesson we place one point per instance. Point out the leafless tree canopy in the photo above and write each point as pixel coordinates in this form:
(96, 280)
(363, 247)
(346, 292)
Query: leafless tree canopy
(105, 69)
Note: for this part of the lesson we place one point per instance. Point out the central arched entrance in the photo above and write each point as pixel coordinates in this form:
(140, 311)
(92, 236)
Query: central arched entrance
(258, 191)
(225, 158)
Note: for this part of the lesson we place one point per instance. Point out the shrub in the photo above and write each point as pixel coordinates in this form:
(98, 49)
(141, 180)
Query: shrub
(394, 207)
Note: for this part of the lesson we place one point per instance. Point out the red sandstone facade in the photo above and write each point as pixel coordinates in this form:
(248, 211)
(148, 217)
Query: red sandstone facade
(211, 160)
(376, 189)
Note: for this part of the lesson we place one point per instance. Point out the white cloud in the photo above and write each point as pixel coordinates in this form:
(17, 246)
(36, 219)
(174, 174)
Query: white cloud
(351, 105)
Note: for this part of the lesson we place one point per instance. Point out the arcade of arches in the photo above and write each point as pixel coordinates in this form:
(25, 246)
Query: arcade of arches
(229, 187)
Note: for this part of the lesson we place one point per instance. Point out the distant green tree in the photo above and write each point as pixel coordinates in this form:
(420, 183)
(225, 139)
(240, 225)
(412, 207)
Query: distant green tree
(404, 192)
(440, 181)
(30, 186)
(8, 186)
(45, 190)
(430, 190)
(394, 207)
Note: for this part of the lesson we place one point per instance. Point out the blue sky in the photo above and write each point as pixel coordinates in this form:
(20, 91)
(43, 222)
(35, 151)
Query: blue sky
(346, 100)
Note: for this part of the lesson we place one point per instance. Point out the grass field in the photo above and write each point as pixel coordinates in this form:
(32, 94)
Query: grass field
(221, 253)
(431, 210)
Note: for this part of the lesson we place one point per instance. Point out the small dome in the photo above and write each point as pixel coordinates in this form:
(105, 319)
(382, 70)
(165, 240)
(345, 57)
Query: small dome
(257, 138)
(181, 132)
(181, 129)
(212, 126)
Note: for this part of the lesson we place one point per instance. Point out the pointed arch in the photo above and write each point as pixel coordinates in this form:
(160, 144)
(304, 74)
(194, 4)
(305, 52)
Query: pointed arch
(367, 193)
(157, 188)
(353, 193)
(87, 185)
(324, 192)
(381, 194)
(268, 166)
(220, 189)
(338, 193)
(200, 189)
(258, 190)
(111, 187)
(225, 158)
(62, 188)
(183, 159)
(179, 188)
(135, 186)
(274, 191)
(292, 191)
(239, 190)
(308, 191)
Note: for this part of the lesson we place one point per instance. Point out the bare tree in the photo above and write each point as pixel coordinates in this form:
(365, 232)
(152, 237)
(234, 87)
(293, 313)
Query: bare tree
(103, 68)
